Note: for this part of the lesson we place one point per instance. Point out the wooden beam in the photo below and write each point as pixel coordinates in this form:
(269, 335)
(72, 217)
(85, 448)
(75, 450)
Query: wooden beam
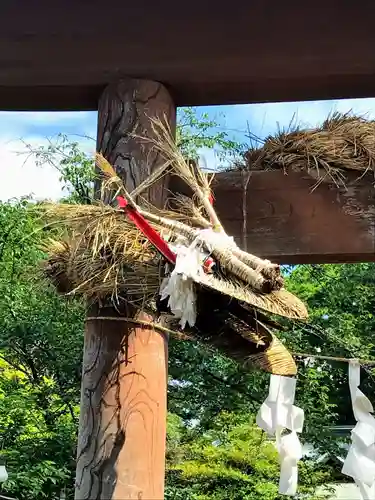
(289, 223)
(122, 433)
(51, 56)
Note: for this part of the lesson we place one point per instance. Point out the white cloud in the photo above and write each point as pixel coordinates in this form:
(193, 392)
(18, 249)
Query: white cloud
(46, 116)
(208, 159)
(20, 176)
(19, 123)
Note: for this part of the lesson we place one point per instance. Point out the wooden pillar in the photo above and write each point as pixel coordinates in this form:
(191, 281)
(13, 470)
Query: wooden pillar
(122, 431)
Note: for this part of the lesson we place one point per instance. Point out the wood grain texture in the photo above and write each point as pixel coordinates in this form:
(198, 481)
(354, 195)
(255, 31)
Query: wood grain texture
(125, 108)
(121, 445)
(289, 223)
(61, 55)
(123, 412)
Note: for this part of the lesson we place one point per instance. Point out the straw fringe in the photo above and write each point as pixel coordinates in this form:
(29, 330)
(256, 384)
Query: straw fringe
(276, 359)
(280, 302)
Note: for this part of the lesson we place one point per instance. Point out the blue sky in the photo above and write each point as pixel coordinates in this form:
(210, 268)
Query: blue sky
(20, 178)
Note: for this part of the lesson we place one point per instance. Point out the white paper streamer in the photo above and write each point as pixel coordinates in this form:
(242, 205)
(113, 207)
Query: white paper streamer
(367, 493)
(3, 474)
(360, 461)
(277, 413)
(179, 286)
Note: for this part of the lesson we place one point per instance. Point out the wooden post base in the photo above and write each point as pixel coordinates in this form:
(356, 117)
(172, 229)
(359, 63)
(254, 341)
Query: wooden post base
(123, 411)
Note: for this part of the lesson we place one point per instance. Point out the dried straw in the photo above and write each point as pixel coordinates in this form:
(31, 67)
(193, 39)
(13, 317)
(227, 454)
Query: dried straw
(246, 340)
(280, 302)
(163, 142)
(343, 143)
(276, 359)
(260, 274)
(244, 335)
(107, 255)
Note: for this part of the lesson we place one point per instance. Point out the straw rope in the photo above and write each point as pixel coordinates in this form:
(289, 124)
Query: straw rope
(275, 359)
(141, 322)
(334, 358)
(108, 256)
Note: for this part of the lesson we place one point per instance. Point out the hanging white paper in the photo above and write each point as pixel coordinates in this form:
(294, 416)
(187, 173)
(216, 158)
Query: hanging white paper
(3, 474)
(360, 461)
(367, 493)
(277, 413)
(179, 286)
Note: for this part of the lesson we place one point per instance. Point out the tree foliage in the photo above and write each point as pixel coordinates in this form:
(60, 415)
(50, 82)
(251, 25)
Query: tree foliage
(231, 460)
(41, 344)
(196, 132)
(341, 301)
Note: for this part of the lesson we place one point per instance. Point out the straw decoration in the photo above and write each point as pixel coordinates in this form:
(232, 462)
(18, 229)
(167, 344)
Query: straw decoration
(343, 143)
(113, 254)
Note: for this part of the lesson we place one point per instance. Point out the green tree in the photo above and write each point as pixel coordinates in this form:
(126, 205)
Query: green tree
(197, 131)
(40, 349)
(76, 168)
(230, 461)
(37, 439)
(341, 302)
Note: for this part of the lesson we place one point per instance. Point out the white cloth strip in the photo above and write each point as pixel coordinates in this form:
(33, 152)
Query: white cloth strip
(276, 414)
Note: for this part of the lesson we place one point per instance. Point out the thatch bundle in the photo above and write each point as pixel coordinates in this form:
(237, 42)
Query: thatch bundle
(108, 259)
(343, 143)
(104, 257)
